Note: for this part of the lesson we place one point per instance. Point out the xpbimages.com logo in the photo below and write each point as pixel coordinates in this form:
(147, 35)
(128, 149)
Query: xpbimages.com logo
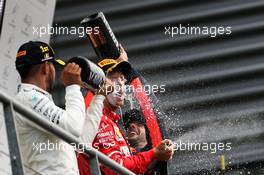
(213, 147)
(58, 145)
(128, 89)
(212, 31)
(81, 31)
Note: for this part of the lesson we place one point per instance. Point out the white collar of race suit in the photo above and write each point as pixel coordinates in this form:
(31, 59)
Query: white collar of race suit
(28, 87)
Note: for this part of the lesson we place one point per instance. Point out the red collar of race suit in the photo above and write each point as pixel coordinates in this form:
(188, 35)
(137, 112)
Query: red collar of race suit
(110, 114)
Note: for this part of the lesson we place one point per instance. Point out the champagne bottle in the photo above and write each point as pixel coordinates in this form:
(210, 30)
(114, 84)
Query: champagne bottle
(92, 76)
(101, 36)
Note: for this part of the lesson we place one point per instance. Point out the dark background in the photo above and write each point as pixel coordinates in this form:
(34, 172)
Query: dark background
(214, 86)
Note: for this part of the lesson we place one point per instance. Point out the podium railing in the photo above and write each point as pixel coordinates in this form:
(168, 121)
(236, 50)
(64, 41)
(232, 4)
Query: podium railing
(11, 105)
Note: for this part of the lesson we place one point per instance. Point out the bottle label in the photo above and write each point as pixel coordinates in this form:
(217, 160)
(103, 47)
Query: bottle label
(110, 31)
